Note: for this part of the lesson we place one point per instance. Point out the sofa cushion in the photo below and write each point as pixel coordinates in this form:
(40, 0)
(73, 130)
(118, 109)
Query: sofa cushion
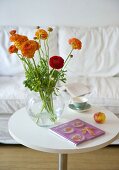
(99, 55)
(12, 94)
(10, 64)
(104, 90)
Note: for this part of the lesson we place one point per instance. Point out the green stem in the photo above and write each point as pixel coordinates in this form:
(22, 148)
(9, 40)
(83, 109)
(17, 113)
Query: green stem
(29, 63)
(34, 63)
(42, 52)
(48, 45)
(65, 63)
(39, 113)
(48, 105)
(37, 74)
(45, 50)
(39, 54)
(23, 61)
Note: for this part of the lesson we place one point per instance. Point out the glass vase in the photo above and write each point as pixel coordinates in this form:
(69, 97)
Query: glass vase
(45, 112)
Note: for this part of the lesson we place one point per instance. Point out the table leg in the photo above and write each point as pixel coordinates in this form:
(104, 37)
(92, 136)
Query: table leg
(62, 161)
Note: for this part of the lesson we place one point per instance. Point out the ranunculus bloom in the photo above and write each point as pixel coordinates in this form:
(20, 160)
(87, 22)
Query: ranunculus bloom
(75, 43)
(12, 49)
(14, 37)
(41, 34)
(56, 62)
(12, 32)
(29, 48)
(18, 40)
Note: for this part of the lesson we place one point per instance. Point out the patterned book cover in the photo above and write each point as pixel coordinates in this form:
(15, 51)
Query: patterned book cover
(77, 131)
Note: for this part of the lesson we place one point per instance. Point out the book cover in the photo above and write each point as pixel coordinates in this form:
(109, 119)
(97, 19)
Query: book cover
(77, 131)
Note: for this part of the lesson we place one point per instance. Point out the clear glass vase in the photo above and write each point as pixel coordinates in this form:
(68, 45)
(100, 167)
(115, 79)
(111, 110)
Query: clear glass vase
(45, 113)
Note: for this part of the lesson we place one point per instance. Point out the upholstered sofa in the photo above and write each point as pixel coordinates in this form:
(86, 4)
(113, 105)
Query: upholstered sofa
(96, 65)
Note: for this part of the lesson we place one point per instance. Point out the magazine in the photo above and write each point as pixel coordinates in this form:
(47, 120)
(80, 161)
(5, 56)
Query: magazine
(77, 131)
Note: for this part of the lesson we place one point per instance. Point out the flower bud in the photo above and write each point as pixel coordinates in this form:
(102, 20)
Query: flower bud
(71, 56)
(50, 29)
(12, 32)
(37, 27)
(35, 38)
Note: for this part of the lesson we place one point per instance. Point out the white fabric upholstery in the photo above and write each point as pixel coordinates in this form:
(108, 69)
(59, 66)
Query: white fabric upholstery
(99, 55)
(12, 94)
(10, 64)
(104, 92)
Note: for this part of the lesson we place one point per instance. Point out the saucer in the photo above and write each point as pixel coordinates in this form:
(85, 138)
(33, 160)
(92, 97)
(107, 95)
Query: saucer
(73, 107)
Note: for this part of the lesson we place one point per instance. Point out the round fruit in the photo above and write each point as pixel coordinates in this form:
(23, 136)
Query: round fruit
(100, 117)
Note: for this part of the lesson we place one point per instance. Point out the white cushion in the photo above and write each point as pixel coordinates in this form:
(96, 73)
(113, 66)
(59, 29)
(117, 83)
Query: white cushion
(10, 64)
(99, 55)
(12, 94)
(104, 90)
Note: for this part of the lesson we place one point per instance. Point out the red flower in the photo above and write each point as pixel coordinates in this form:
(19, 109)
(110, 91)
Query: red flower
(56, 62)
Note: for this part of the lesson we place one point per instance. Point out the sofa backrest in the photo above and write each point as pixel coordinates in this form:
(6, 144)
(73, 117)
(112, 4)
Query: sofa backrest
(10, 65)
(98, 57)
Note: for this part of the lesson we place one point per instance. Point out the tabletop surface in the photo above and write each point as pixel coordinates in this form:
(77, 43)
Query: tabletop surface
(26, 132)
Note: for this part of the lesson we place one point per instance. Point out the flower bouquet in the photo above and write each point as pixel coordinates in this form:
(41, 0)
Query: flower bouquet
(42, 75)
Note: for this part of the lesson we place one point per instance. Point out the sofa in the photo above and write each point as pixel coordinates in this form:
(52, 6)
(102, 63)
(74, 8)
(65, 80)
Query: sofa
(96, 65)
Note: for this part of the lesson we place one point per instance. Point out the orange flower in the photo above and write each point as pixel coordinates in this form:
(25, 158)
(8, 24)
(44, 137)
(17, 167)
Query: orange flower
(41, 34)
(12, 32)
(14, 37)
(29, 48)
(18, 40)
(12, 49)
(75, 43)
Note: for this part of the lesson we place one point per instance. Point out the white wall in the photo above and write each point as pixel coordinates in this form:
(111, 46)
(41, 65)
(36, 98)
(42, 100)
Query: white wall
(59, 12)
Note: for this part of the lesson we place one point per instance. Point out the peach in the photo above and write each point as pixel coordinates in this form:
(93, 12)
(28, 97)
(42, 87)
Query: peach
(99, 117)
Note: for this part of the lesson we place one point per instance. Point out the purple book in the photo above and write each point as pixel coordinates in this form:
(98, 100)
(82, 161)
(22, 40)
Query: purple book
(77, 131)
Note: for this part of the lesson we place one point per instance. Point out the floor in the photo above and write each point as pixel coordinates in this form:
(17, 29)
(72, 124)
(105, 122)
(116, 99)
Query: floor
(17, 157)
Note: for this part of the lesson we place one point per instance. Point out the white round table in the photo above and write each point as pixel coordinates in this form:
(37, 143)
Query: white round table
(26, 132)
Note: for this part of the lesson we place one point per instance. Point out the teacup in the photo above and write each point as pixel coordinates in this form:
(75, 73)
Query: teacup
(80, 102)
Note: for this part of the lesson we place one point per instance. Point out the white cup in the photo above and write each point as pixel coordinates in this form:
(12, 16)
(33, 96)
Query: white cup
(80, 102)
